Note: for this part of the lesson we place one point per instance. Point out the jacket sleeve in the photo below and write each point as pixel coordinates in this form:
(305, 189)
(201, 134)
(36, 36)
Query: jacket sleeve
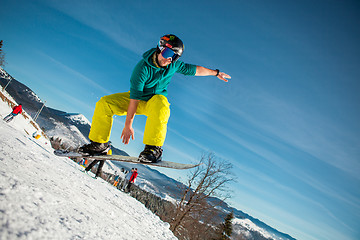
(186, 68)
(138, 79)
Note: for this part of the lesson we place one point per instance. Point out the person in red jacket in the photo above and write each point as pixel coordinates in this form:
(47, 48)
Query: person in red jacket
(132, 180)
(16, 110)
(133, 176)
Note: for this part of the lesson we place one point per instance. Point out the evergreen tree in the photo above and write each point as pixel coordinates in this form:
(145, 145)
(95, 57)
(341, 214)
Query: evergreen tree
(226, 227)
(2, 55)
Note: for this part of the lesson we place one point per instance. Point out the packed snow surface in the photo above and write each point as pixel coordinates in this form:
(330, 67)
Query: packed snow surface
(43, 196)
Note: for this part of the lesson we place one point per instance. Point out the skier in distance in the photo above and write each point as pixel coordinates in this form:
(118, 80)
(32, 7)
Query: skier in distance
(15, 111)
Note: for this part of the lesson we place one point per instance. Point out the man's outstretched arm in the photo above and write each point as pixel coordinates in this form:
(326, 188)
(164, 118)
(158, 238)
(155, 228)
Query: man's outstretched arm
(203, 71)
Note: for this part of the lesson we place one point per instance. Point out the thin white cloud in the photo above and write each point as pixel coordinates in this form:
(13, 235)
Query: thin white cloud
(227, 130)
(105, 18)
(71, 99)
(180, 154)
(303, 128)
(309, 132)
(76, 74)
(189, 140)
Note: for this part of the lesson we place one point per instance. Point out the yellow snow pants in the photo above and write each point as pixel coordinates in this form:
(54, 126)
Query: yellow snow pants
(157, 110)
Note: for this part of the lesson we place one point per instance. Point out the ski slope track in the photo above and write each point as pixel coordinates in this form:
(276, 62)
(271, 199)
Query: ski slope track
(43, 196)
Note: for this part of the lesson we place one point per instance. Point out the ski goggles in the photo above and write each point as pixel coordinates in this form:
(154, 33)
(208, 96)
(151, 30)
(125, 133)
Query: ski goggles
(169, 54)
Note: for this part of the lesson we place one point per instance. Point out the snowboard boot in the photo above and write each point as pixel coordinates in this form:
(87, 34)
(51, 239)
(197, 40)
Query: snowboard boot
(94, 148)
(151, 154)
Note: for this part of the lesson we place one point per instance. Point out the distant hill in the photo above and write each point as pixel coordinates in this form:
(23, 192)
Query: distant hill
(72, 128)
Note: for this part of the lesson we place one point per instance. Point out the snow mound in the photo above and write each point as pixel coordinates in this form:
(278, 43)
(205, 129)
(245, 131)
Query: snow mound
(247, 225)
(43, 196)
(71, 134)
(79, 118)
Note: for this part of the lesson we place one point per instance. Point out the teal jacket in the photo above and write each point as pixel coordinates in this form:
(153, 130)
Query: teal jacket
(148, 80)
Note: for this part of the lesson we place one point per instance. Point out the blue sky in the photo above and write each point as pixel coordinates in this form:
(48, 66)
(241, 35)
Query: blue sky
(288, 120)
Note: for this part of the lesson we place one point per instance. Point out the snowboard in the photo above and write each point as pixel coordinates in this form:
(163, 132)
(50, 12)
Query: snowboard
(128, 159)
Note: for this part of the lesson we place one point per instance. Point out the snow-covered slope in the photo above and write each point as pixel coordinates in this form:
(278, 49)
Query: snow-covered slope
(47, 197)
(69, 134)
(81, 119)
(246, 226)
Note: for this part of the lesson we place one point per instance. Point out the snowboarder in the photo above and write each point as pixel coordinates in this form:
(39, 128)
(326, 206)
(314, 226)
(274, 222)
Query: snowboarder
(147, 96)
(16, 110)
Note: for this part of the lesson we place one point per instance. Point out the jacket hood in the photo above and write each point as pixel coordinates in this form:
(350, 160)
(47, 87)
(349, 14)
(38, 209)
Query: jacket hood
(148, 57)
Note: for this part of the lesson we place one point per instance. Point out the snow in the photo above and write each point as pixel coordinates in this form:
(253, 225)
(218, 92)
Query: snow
(33, 96)
(250, 226)
(67, 135)
(4, 74)
(79, 118)
(43, 196)
(151, 188)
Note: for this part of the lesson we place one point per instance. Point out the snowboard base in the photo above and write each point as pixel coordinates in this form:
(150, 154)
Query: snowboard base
(129, 159)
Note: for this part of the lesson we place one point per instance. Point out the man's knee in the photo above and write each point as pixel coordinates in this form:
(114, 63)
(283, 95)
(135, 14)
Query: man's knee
(115, 103)
(160, 104)
(102, 101)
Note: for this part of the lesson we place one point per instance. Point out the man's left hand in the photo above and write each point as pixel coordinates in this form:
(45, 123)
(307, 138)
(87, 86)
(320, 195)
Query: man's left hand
(223, 76)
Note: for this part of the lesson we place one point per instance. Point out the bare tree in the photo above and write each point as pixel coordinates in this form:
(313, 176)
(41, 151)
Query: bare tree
(210, 179)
